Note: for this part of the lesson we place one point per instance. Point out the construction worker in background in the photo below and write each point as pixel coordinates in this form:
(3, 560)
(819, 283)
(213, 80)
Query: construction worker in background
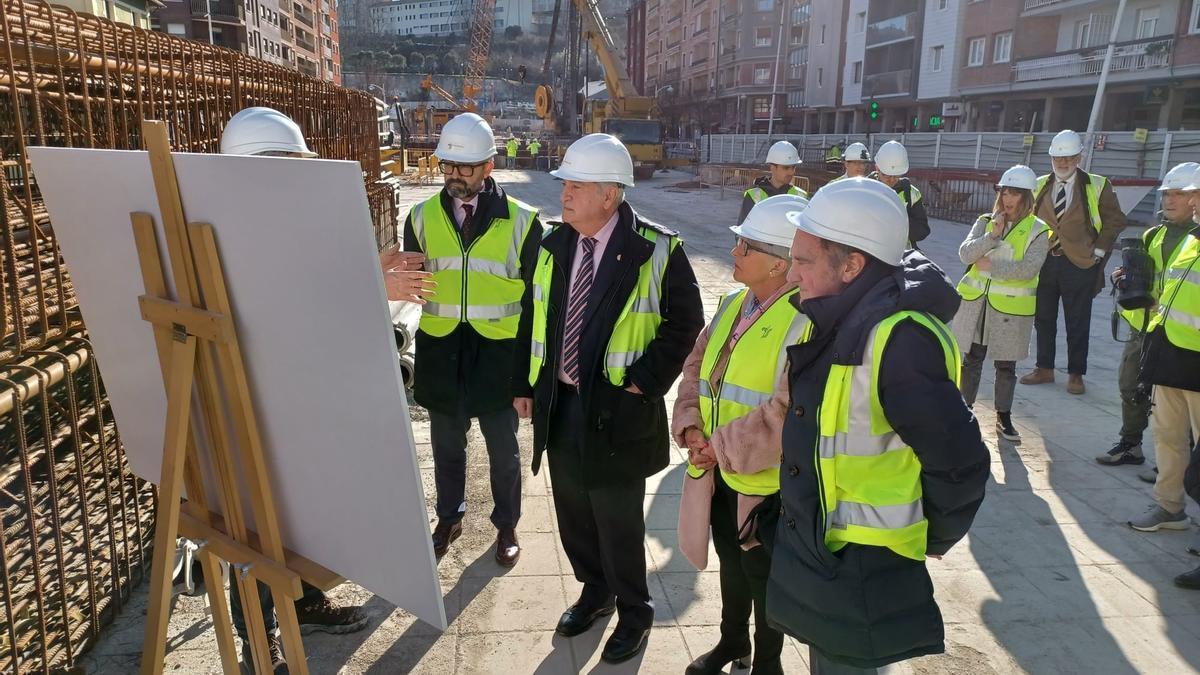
(1085, 219)
(481, 246)
(512, 148)
(265, 132)
(732, 443)
(1163, 242)
(1004, 252)
(782, 160)
(615, 311)
(857, 161)
(1171, 365)
(883, 464)
(891, 166)
(534, 148)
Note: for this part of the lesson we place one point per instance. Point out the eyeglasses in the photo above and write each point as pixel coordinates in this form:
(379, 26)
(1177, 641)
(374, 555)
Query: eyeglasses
(464, 170)
(743, 247)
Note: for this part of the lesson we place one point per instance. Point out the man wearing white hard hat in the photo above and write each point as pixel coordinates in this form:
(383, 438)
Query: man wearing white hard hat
(891, 166)
(782, 160)
(481, 246)
(1162, 242)
(724, 418)
(1084, 218)
(1004, 252)
(266, 132)
(856, 160)
(883, 464)
(615, 309)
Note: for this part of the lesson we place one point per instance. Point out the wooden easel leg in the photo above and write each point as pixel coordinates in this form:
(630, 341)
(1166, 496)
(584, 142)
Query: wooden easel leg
(289, 630)
(220, 612)
(170, 487)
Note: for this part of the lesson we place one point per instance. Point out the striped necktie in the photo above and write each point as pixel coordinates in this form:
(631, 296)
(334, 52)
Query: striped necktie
(579, 299)
(1060, 201)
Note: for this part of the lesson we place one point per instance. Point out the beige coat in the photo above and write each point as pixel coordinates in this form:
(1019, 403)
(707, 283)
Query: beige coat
(748, 444)
(1076, 234)
(1007, 336)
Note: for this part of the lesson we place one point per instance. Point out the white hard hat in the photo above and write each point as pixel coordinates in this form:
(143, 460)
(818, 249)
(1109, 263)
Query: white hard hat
(596, 158)
(857, 152)
(783, 154)
(892, 159)
(1179, 177)
(466, 139)
(768, 221)
(1020, 176)
(858, 212)
(254, 131)
(1066, 143)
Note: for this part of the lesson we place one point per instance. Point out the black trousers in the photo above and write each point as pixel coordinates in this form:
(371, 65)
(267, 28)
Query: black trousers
(1060, 279)
(449, 436)
(743, 580)
(603, 529)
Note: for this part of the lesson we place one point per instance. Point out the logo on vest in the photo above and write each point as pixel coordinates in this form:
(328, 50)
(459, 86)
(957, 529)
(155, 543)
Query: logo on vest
(766, 330)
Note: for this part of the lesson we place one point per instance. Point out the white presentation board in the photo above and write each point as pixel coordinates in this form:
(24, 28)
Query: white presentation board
(298, 251)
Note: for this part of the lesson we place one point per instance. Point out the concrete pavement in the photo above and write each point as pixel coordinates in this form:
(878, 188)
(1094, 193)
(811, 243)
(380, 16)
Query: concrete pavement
(1050, 579)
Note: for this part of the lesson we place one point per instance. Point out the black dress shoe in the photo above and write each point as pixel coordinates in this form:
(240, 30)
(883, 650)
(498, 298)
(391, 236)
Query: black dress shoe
(624, 644)
(726, 652)
(443, 535)
(508, 551)
(579, 617)
(1189, 580)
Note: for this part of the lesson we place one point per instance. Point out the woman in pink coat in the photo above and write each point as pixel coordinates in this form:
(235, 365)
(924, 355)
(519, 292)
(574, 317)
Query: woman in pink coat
(728, 414)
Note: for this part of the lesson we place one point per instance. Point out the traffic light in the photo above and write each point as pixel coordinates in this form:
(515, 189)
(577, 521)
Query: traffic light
(873, 110)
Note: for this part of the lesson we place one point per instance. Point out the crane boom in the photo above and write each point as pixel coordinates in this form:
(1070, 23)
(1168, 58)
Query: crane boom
(623, 96)
(483, 17)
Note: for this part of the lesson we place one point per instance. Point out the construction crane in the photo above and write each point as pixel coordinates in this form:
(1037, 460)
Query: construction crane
(483, 17)
(627, 114)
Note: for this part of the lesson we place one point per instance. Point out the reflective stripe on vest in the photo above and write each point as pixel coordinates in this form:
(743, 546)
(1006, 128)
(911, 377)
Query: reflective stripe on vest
(482, 285)
(637, 324)
(1153, 238)
(870, 479)
(1180, 316)
(750, 375)
(758, 194)
(1090, 191)
(1017, 297)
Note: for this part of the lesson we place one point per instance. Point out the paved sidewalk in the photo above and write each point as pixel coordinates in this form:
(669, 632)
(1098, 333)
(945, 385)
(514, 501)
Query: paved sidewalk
(1051, 580)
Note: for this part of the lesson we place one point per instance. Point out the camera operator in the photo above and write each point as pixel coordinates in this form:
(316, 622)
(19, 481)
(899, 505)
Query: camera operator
(1162, 242)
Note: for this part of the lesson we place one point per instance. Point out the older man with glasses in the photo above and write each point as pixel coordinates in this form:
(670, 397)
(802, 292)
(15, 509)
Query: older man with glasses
(480, 246)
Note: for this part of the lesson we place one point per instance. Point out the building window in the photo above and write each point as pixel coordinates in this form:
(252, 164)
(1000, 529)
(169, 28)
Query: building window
(858, 72)
(1147, 22)
(177, 29)
(762, 74)
(975, 49)
(762, 37)
(822, 33)
(765, 5)
(1083, 33)
(935, 58)
(762, 107)
(860, 22)
(1002, 48)
(942, 4)
(820, 77)
(795, 98)
(1194, 24)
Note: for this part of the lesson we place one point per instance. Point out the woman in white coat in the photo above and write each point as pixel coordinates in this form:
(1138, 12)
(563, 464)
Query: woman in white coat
(1004, 253)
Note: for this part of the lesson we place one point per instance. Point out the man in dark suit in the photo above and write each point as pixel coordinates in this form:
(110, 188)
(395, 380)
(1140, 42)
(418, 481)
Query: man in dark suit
(610, 316)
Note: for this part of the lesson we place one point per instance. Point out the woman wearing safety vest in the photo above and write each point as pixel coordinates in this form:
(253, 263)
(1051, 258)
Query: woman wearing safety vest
(733, 442)
(1004, 253)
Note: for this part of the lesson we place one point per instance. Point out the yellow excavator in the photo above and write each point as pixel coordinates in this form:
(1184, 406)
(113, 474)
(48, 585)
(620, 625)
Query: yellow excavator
(626, 114)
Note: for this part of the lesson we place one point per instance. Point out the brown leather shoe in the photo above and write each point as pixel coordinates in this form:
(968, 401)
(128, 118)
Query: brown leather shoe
(1039, 376)
(1075, 384)
(443, 535)
(508, 551)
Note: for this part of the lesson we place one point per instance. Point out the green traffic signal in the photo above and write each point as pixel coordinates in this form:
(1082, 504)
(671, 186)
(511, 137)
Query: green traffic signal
(873, 110)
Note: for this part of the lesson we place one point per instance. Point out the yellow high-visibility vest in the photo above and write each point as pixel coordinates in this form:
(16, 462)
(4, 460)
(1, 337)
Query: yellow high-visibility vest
(1017, 297)
(1179, 313)
(480, 285)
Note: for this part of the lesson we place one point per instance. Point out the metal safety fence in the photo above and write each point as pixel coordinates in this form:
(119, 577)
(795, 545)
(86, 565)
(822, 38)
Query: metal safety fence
(75, 524)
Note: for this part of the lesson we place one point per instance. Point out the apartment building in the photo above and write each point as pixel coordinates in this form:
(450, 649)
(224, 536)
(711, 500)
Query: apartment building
(299, 34)
(129, 12)
(443, 17)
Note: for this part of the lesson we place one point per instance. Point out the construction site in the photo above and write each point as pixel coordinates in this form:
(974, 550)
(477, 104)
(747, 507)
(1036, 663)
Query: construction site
(1049, 581)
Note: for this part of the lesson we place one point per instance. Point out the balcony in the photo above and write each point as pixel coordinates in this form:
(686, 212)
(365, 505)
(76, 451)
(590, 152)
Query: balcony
(1128, 57)
(893, 83)
(1033, 7)
(671, 75)
(305, 43)
(223, 11)
(895, 29)
(303, 15)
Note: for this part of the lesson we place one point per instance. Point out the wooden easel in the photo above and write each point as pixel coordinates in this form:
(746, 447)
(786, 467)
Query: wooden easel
(202, 365)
